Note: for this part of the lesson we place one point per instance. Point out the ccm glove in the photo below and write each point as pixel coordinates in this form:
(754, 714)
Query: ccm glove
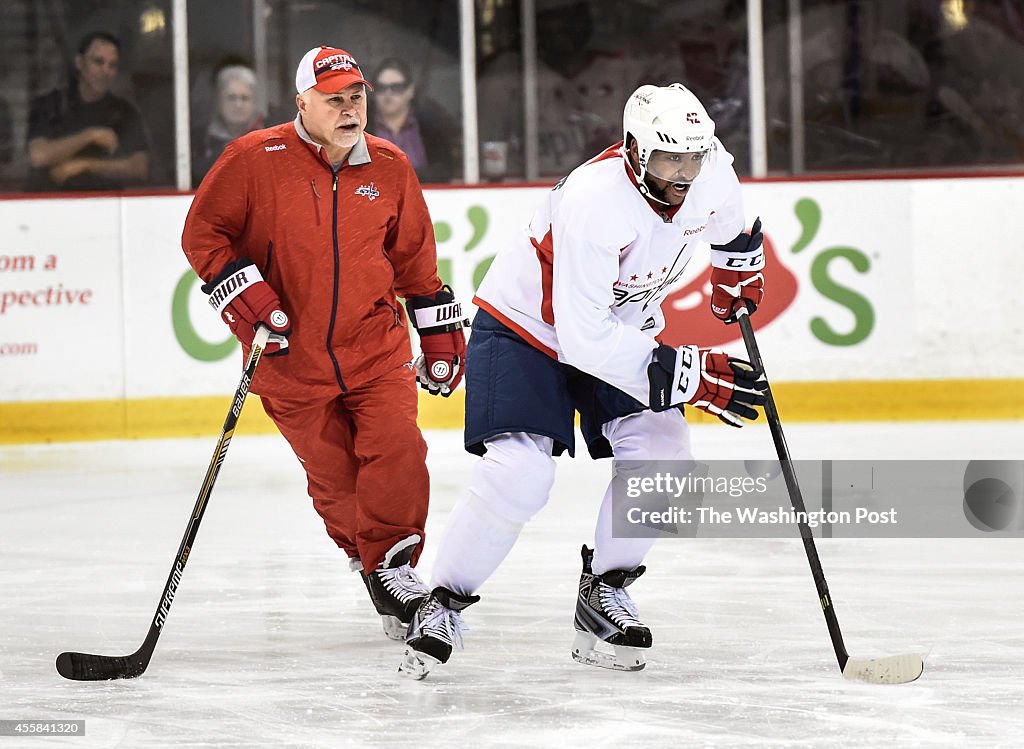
(711, 380)
(244, 300)
(439, 321)
(736, 276)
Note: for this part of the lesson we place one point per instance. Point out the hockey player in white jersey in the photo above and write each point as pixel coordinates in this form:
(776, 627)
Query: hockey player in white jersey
(569, 314)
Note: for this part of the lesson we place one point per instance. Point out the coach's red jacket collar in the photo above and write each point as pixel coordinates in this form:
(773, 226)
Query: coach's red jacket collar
(359, 154)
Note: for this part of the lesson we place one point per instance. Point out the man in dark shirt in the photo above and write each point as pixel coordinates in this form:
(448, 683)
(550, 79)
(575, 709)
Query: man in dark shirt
(84, 137)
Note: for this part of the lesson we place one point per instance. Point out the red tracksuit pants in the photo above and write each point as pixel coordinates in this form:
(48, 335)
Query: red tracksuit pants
(365, 462)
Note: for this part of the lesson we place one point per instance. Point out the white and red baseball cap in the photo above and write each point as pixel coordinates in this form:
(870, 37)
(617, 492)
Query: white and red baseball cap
(329, 70)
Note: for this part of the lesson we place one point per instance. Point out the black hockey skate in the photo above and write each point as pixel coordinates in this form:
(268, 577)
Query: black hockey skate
(435, 629)
(395, 588)
(605, 612)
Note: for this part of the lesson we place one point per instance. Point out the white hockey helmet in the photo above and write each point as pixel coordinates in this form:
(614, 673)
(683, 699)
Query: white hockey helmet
(666, 118)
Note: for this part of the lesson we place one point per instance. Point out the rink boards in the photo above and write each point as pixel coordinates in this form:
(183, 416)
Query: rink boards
(887, 299)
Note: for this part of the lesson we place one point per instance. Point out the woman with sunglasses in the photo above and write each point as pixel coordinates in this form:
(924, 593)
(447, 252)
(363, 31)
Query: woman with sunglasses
(422, 131)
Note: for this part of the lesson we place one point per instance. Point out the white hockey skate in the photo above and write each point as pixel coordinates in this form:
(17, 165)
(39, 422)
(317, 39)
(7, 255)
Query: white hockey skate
(395, 588)
(435, 629)
(606, 613)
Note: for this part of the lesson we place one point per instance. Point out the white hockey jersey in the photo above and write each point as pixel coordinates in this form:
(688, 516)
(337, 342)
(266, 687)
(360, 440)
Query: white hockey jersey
(585, 282)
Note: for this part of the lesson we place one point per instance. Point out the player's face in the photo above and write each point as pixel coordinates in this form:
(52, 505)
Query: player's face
(97, 68)
(675, 167)
(669, 174)
(336, 120)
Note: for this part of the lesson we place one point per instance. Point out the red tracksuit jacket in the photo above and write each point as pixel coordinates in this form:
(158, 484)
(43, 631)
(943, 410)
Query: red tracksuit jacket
(339, 249)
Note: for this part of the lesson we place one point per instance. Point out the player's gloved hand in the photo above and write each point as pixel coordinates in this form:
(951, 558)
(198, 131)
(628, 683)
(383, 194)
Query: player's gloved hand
(711, 380)
(439, 321)
(736, 276)
(244, 300)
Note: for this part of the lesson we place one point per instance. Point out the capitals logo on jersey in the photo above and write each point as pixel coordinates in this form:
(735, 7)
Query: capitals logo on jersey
(651, 287)
(370, 191)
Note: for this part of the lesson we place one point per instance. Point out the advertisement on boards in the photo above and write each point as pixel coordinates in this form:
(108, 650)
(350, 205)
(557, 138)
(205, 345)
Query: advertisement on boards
(99, 302)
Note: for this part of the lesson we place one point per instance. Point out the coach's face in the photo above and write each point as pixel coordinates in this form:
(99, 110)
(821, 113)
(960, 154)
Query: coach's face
(335, 121)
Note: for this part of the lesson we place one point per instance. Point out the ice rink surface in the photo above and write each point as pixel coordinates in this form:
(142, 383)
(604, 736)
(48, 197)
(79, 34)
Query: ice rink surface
(272, 641)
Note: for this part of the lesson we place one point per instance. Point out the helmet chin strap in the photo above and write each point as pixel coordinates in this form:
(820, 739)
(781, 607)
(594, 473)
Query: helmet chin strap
(644, 187)
(641, 182)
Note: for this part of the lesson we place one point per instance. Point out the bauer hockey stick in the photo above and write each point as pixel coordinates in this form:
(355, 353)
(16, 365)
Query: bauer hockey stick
(895, 669)
(86, 667)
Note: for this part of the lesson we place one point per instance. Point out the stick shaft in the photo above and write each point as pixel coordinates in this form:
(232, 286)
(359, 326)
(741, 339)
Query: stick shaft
(82, 666)
(795, 496)
(212, 471)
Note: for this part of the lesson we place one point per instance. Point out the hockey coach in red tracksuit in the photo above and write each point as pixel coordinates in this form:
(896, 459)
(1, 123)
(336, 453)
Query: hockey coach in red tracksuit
(315, 229)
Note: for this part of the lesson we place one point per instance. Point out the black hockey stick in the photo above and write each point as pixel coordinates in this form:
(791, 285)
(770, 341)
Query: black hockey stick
(895, 669)
(86, 667)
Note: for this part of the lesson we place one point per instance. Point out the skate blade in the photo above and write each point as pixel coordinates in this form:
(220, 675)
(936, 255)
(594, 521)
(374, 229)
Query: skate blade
(416, 665)
(624, 658)
(394, 628)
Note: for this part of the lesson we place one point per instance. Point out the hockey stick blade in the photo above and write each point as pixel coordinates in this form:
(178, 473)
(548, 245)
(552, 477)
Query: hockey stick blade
(86, 667)
(895, 669)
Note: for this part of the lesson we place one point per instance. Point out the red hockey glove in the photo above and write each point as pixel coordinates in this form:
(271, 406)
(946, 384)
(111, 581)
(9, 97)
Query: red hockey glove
(244, 300)
(439, 321)
(736, 276)
(711, 380)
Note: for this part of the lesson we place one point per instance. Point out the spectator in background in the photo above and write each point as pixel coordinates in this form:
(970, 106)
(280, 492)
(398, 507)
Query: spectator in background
(236, 113)
(6, 133)
(8, 180)
(422, 130)
(6, 141)
(84, 137)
